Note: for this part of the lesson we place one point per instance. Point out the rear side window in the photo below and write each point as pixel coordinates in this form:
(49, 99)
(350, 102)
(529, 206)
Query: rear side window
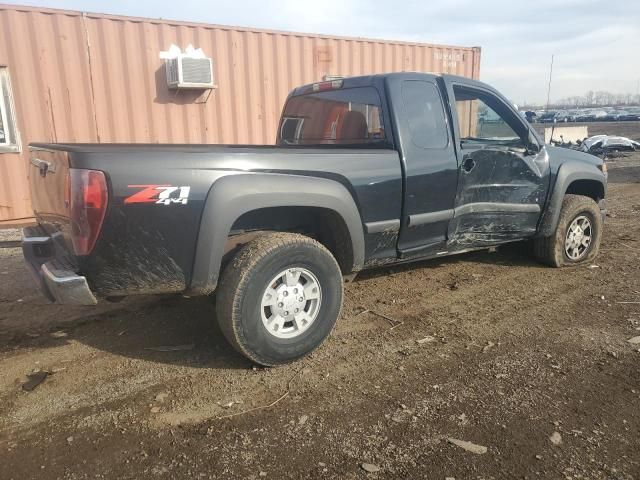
(425, 114)
(350, 116)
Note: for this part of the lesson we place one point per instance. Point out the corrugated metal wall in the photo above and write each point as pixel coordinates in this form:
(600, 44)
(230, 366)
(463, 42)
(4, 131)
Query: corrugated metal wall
(82, 77)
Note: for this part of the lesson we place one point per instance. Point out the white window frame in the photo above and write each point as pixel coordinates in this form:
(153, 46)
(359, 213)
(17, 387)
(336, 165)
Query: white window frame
(11, 143)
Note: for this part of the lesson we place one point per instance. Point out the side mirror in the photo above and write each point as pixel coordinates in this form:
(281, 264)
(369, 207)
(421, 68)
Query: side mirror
(532, 143)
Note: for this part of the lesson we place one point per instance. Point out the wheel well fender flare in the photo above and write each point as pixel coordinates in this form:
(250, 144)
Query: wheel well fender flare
(568, 173)
(232, 196)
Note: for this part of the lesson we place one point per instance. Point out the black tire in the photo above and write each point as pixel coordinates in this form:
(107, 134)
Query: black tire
(243, 282)
(551, 250)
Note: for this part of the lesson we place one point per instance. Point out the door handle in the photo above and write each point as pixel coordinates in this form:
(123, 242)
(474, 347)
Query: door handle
(468, 164)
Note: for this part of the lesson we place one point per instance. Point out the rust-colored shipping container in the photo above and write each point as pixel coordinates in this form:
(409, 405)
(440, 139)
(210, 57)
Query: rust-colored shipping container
(85, 77)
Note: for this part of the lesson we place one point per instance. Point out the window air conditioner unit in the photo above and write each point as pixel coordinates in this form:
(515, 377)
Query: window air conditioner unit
(186, 72)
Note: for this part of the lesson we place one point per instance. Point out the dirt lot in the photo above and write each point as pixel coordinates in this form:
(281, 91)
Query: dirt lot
(530, 362)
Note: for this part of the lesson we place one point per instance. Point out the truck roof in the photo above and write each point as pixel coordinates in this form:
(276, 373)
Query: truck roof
(370, 80)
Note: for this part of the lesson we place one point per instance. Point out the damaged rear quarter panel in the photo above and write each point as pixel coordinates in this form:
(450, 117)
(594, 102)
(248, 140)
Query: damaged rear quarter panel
(146, 248)
(136, 255)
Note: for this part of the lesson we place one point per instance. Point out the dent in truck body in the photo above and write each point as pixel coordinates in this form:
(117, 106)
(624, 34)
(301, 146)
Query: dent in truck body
(381, 241)
(382, 247)
(501, 188)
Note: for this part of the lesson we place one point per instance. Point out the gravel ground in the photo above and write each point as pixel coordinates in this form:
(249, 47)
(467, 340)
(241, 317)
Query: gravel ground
(531, 365)
(10, 235)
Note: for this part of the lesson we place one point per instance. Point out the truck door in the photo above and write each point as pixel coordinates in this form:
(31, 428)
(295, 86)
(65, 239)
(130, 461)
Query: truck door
(503, 170)
(429, 163)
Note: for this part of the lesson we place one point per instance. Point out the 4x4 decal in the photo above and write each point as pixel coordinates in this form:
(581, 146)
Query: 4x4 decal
(159, 194)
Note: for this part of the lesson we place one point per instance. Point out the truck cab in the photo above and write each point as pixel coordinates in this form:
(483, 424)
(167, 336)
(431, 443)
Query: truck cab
(474, 172)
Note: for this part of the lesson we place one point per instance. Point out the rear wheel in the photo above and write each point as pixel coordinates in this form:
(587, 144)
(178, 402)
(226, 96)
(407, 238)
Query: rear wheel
(279, 298)
(577, 236)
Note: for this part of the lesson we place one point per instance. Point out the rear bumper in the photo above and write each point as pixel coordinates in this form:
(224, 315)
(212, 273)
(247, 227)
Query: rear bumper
(57, 280)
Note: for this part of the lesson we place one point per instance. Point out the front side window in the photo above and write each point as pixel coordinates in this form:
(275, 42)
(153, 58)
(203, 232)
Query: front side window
(9, 141)
(485, 119)
(350, 116)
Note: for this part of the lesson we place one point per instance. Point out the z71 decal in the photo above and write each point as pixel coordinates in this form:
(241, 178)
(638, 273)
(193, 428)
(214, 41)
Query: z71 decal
(159, 194)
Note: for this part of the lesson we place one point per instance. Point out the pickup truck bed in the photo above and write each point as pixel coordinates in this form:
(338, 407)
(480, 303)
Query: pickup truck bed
(149, 248)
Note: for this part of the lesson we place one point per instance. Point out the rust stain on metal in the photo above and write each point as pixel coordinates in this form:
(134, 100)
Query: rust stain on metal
(99, 78)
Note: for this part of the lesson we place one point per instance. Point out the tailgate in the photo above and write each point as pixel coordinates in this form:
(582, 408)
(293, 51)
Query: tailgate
(48, 180)
(49, 184)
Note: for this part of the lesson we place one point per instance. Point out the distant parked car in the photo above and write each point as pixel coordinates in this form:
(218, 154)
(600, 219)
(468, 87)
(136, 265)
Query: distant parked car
(592, 116)
(547, 117)
(628, 116)
(585, 116)
(567, 116)
(615, 115)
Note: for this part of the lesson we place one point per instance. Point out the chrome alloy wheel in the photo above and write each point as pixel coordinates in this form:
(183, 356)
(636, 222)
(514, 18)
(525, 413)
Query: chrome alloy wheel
(291, 302)
(579, 237)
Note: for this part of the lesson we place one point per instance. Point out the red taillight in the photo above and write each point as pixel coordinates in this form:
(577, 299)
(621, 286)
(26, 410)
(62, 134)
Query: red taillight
(88, 203)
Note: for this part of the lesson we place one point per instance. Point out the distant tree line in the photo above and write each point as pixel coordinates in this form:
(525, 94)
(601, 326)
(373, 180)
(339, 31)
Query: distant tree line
(594, 99)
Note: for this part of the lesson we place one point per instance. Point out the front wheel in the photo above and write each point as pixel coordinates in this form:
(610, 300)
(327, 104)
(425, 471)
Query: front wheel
(577, 236)
(279, 298)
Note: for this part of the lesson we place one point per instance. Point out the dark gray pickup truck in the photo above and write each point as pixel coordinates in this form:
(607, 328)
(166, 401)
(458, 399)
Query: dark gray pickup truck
(366, 171)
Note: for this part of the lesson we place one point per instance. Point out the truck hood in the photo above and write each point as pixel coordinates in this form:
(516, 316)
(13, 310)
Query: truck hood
(559, 155)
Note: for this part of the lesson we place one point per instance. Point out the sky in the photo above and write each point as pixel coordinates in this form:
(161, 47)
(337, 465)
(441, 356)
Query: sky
(595, 43)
